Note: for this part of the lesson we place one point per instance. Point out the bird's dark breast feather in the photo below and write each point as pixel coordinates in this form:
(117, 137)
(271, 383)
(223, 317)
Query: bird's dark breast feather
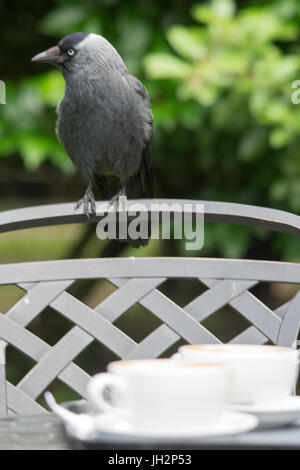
(108, 133)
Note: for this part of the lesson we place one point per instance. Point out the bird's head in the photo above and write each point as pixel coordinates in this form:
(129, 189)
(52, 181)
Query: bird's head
(81, 52)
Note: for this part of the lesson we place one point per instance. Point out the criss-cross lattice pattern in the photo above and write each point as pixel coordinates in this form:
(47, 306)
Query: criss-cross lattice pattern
(137, 281)
(279, 326)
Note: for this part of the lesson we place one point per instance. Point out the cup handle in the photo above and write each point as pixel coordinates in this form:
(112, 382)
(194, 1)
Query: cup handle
(96, 387)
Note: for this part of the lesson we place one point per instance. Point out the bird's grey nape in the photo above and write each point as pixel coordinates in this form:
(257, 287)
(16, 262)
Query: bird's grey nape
(72, 40)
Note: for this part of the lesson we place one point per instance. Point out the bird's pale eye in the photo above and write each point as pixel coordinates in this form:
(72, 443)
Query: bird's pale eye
(70, 52)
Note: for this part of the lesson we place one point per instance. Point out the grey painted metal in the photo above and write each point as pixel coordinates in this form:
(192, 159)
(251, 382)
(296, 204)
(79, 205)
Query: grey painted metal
(178, 319)
(290, 326)
(72, 375)
(250, 336)
(36, 299)
(52, 363)
(220, 294)
(21, 403)
(38, 432)
(126, 296)
(155, 343)
(3, 393)
(46, 432)
(243, 214)
(249, 306)
(151, 299)
(98, 327)
(253, 336)
(203, 268)
(137, 281)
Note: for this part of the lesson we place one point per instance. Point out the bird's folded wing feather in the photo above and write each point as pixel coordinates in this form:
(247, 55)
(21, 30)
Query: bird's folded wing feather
(145, 173)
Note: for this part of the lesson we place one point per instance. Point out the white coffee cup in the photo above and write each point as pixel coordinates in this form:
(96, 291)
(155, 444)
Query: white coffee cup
(160, 393)
(261, 374)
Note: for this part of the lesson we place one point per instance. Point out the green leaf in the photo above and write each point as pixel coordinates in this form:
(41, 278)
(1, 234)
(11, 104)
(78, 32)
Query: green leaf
(206, 93)
(92, 25)
(223, 8)
(214, 12)
(63, 20)
(60, 159)
(34, 150)
(279, 137)
(187, 43)
(52, 87)
(163, 65)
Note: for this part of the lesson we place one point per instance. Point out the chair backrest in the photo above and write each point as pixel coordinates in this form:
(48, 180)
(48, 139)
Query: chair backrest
(137, 280)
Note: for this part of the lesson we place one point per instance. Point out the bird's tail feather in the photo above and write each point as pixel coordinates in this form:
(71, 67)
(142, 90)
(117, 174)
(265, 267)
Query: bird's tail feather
(137, 188)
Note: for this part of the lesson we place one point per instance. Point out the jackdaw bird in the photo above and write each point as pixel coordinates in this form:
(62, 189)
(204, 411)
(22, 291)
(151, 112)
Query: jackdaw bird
(104, 120)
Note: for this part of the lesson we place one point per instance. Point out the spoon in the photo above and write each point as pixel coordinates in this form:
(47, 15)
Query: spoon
(81, 424)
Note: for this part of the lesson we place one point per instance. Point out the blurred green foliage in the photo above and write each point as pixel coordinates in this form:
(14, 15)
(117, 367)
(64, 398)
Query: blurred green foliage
(219, 74)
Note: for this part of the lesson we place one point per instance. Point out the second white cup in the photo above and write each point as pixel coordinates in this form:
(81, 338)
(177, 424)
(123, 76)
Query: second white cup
(261, 374)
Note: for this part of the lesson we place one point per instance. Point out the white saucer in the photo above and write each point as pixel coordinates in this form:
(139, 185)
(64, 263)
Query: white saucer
(231, 423)
(270, 416)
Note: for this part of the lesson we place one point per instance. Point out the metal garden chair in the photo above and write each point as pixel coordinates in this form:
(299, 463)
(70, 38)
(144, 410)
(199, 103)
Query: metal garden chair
(227, 280)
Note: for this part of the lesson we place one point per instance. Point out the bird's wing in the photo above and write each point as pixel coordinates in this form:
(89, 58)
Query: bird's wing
(145, 174)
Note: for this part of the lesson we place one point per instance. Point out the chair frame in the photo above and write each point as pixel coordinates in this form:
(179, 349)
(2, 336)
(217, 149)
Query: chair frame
(45, 282)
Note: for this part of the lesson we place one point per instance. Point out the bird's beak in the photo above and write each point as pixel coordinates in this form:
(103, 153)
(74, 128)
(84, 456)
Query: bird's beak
(52, 55)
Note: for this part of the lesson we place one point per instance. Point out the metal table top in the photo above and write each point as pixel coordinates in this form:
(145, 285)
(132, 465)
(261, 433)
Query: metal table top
(33, 432)
(46, 432)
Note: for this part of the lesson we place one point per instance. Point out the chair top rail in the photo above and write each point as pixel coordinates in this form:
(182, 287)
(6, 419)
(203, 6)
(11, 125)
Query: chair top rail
(242, 214)
(163, 267)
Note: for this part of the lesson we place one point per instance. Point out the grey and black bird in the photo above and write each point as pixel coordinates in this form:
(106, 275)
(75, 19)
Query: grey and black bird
(104, 120)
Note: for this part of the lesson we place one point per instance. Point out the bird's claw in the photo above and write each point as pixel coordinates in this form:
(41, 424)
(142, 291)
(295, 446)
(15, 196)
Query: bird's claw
(88, 202)
(117, 201)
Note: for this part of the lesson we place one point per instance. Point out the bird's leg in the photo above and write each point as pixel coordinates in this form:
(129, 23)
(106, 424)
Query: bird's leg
(88, 200)
(102, 182)
(115, 200)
